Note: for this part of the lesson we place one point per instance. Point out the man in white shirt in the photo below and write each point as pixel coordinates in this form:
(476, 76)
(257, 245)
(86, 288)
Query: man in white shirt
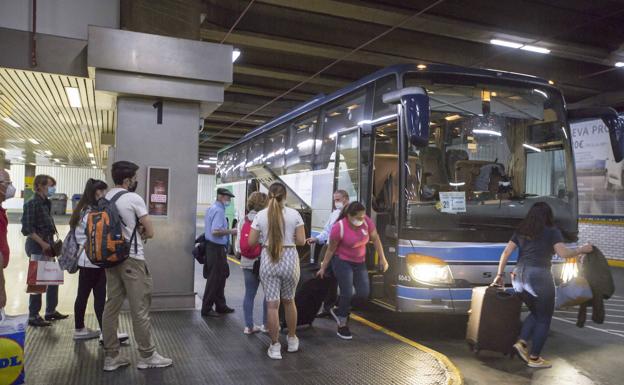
(130, 279)
(341, 200)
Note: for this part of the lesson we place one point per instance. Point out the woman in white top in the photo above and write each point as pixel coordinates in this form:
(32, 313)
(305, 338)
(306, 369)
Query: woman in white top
(90, 277)
(281, 230)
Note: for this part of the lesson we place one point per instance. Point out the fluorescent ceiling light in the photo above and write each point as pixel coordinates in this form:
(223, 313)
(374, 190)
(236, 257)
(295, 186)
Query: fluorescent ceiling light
(505, 43)
(57, 160)
(452, 117)
(531, 147)
(235, 54)
(212, 158)
(33, 141)
(94, 167)
(11, 122)
(533, 48)
(619, 64)
(73, 94)
(210, 161)
(564, 132)
(203, 166)
(48, 153)
(457, 184)
(487, 132)
(63, 166)
(91, 155)
(20, 158)
(89, 145)
(4, 150)
(92, 162)
(421, 66)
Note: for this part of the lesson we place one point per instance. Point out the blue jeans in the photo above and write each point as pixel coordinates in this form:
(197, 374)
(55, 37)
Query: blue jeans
(537, 289)
(34, 303)
(348, 275)
(251, 288)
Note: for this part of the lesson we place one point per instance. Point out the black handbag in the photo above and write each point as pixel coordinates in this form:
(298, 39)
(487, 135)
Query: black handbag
(199, 251)
(256, 267)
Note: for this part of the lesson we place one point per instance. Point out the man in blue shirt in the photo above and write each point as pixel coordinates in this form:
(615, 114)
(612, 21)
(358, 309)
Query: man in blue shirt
(216, 268)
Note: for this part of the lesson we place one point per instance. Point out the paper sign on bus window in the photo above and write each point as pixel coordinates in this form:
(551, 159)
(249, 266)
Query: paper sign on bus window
(453, 202)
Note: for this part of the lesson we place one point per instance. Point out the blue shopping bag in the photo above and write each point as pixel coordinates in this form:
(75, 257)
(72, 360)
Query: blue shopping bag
(12, 337)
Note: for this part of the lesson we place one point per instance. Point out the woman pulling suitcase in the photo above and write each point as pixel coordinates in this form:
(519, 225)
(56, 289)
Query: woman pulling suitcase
(347, 240)
(537, 239)
(281, 230)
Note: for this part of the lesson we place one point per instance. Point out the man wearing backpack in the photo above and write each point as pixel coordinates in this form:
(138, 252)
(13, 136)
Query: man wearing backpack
(131, 278)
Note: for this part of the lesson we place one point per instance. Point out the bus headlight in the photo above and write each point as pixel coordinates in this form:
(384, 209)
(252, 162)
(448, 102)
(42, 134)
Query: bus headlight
(429, 270)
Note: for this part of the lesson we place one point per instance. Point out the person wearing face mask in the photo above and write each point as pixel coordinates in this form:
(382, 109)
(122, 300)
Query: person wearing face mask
(250, 262)
(39, 229)
(91, 278)
(130, 279)
(347, 240)
(51, 187)
(7, 191)
(341, 200)
(216, 268)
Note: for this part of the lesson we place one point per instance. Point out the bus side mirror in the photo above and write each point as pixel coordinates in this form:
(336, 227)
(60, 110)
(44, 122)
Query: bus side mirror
(614, 124)
(415, 114)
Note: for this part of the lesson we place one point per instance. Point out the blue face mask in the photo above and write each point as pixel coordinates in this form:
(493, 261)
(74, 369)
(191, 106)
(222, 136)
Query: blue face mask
(51, 191)
(227, 204)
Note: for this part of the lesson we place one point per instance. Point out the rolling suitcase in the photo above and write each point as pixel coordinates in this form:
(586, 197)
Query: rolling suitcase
(494, 320)
(311, 292)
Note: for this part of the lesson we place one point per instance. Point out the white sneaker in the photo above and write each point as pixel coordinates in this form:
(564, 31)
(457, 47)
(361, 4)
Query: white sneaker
(263, 329)
(155, 361)
(86, 334)
(124, 338)
(275, 351)
(113, 363)
(293, 344)
(252, 330)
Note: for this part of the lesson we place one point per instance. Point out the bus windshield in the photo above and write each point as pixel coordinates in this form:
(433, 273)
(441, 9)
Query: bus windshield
(494, 150)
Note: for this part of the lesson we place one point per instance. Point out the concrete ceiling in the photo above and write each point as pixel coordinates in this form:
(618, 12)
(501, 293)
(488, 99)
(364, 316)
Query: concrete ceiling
(44, 128)
(283, 42)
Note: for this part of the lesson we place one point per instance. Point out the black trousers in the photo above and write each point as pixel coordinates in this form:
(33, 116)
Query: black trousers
(216, 271)
(90, 280)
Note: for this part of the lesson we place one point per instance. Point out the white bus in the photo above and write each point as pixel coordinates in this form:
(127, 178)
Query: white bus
(447, 161)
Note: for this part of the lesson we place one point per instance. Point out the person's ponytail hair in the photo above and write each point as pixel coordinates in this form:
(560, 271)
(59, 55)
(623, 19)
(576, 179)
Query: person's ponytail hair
(351, 210)
(87, 199)
(277, 196)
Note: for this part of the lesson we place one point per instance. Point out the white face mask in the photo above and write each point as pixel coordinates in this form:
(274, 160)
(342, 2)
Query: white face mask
(251, 215)
(339, 205)
(10, 192)
(357, 222)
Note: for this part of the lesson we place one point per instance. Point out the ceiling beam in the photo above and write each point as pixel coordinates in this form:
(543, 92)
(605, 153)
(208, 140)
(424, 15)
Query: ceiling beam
(561, 70)
(441, 26)
(327, 51)
(262, 91)
(210, 126)
(230, 117)
(293, 76)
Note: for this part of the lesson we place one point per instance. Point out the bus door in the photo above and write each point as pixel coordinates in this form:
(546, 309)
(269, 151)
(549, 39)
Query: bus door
(385, 204)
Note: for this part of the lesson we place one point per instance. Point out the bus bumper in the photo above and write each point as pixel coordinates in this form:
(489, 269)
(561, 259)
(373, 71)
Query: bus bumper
(433, 300)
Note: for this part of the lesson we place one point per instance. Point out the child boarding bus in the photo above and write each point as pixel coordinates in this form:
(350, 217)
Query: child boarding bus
(447, 161)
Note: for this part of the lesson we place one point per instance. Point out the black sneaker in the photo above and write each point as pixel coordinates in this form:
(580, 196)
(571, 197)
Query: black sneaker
(344, 333)
(55, 316)
(210, 313)
(225, 310)
(38, 322)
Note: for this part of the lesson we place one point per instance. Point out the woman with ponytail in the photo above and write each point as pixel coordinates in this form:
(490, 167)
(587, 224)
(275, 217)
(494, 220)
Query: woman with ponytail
(90, 277)
(279, 229)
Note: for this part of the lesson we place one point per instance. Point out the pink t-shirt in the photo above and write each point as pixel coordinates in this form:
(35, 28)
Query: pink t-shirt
(352, 245)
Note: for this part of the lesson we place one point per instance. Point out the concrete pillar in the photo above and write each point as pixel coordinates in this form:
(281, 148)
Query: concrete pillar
(174, 145)
(187, 78)
(30, 172)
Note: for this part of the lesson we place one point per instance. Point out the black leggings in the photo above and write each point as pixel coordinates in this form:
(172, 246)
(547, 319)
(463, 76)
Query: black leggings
(90, 279)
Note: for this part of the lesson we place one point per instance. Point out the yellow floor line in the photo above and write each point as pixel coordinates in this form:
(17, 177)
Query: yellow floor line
(455, 377)
(616, 262)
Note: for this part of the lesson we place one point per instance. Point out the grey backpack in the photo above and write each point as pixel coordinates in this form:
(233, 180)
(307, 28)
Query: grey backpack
(70, 253)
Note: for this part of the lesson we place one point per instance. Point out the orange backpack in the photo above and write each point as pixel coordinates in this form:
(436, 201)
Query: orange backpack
(106, 245)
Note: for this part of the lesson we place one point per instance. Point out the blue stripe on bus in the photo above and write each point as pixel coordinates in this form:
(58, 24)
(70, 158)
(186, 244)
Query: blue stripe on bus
(459, 253)
(424, 293)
